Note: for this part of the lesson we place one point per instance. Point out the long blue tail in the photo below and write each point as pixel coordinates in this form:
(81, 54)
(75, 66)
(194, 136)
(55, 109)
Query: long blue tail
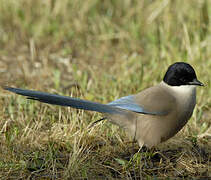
(65, 101)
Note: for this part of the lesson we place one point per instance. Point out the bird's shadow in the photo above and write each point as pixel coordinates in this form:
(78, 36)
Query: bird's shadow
(178, 160)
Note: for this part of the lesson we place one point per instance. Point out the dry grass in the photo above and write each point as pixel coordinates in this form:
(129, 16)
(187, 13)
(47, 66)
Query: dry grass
(98, 50)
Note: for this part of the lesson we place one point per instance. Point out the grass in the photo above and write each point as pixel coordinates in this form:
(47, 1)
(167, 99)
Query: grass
(99, 51)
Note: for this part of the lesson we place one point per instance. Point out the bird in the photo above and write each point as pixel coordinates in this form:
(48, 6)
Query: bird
(151, 116)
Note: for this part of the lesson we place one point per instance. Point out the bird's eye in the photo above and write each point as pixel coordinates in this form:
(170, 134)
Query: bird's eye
(183, 79)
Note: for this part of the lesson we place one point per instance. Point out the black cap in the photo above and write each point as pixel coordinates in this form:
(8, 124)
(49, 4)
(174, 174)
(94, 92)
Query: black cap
(181, 73)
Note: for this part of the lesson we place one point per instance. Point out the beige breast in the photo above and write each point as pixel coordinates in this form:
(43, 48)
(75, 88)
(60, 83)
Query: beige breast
(175, 104)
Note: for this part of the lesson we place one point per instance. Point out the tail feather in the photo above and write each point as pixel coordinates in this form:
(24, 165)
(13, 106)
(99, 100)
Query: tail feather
(65, 101)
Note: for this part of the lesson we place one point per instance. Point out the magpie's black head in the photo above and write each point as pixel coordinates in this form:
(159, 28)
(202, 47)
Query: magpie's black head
(181, 73)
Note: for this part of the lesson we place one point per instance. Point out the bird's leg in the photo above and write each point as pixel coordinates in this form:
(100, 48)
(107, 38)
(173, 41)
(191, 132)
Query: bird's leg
(144, 151)
(146, 154)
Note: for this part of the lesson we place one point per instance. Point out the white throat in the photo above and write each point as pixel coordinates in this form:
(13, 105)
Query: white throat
(185, 96)
(183, 90)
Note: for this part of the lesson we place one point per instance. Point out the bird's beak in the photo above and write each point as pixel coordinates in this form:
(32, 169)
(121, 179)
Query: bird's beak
(196, 82)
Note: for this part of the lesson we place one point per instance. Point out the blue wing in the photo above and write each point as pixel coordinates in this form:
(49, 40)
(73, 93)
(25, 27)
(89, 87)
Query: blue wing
(128, 103)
